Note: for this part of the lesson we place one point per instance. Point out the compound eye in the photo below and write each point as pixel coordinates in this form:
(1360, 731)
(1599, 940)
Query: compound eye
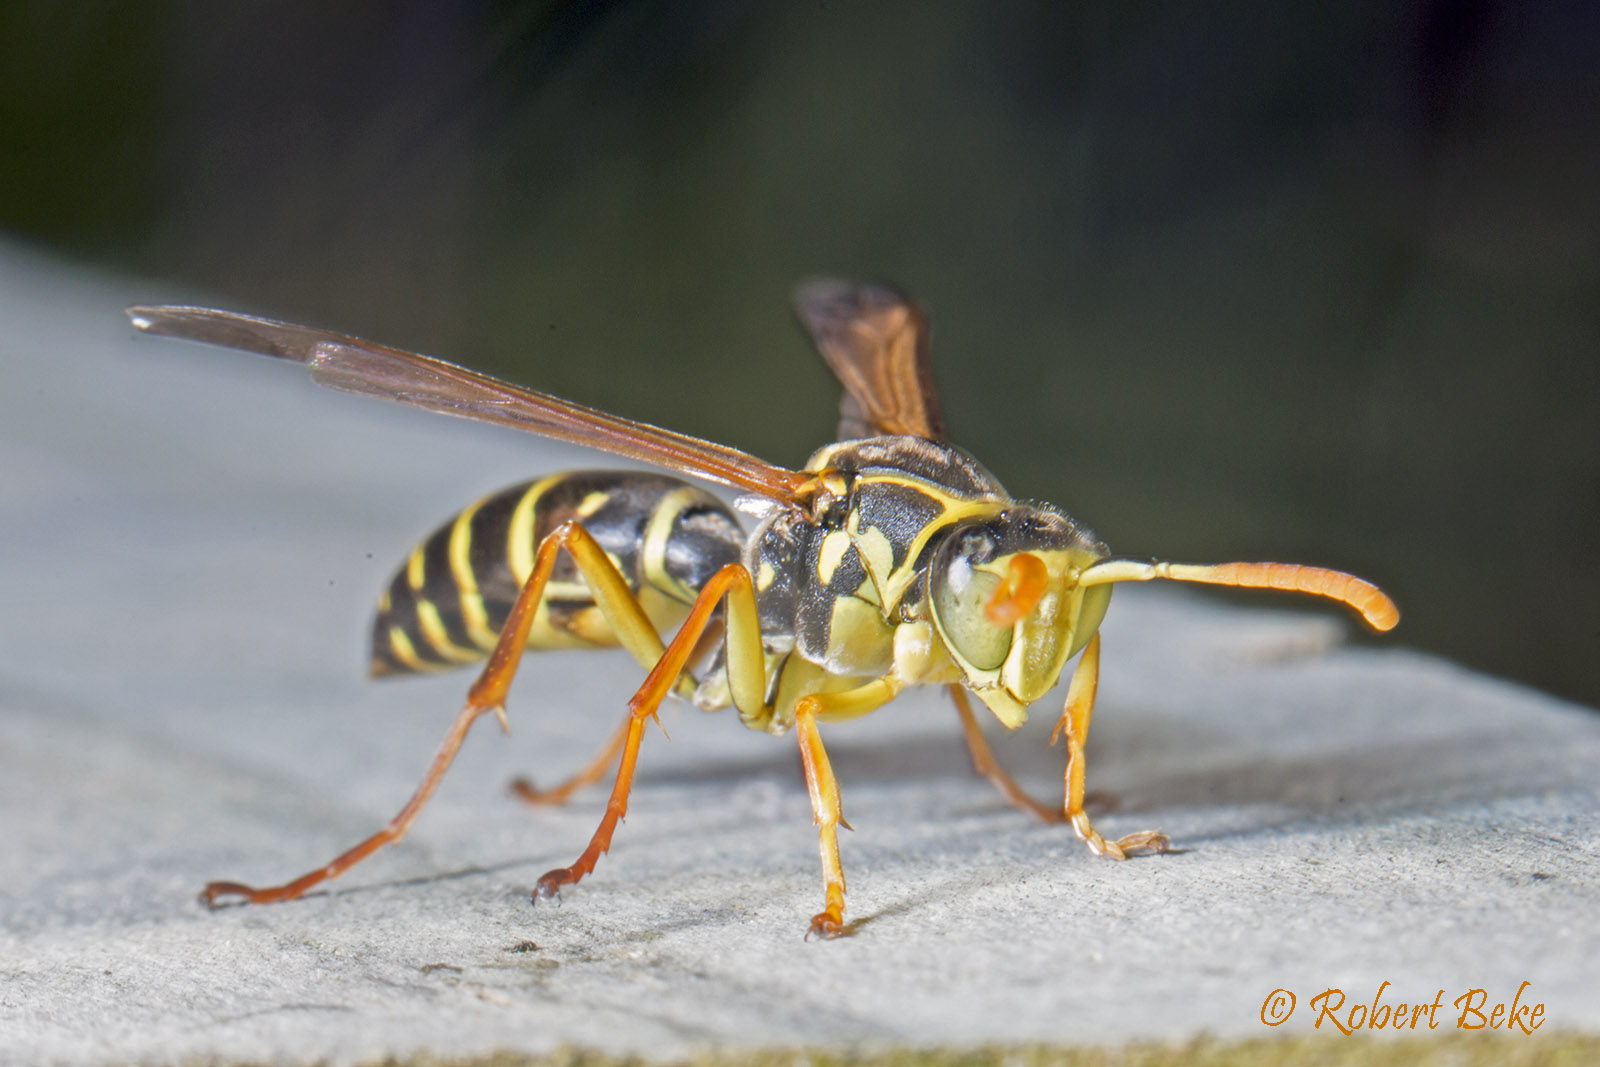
(961, 593)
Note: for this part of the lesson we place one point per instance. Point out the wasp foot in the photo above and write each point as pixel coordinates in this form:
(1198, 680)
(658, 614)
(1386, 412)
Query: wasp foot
(549, 886)
(827, 924)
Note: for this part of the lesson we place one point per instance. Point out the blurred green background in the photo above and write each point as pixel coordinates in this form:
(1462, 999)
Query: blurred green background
(1237, 280)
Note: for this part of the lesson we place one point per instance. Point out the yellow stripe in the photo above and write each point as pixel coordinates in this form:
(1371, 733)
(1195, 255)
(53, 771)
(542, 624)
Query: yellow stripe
(414, 567)
(592, 503)
(568, 591)
(439, 638)
(400, 645)
(877, 554)
(657, 533)
(473, 612)
(893, 583)
(520, 548)
(834, 545)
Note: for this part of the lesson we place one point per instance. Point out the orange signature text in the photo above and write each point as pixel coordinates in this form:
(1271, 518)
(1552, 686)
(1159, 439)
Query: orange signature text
(1471, 1011)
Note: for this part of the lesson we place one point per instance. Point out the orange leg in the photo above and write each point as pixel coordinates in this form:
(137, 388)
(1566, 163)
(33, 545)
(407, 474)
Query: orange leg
(591, 774)
(487, 695)
(642, 706)
(607, 757)
(1075, 722)
(824, 788)
(394, 831)
(984, 763)
(746, 682)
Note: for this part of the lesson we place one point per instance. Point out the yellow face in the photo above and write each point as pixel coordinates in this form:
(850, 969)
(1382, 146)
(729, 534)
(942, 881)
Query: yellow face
(1010, 663)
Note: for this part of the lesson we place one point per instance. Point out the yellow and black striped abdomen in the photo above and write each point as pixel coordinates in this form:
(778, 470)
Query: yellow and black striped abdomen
(446, 605)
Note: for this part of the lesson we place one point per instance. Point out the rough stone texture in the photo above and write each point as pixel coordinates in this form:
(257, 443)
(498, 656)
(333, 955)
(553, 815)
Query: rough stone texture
(191, 542)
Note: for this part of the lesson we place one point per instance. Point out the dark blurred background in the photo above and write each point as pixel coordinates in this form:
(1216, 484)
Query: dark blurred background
(1239, 280)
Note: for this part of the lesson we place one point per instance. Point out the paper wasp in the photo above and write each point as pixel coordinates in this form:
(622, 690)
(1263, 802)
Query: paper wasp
(892, 559)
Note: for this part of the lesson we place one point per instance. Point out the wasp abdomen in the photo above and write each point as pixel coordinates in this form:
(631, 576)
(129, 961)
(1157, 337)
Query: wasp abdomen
(445, 607)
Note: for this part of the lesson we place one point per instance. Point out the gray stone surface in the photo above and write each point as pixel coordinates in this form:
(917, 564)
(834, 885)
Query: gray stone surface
(189, 544)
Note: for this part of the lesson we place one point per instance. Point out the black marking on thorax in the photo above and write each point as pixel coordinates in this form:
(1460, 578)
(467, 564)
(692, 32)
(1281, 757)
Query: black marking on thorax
(902, 488)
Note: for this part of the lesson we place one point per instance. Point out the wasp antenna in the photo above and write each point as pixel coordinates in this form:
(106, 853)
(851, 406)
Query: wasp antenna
(1373, 603)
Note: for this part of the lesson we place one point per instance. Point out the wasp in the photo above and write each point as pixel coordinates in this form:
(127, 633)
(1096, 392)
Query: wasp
(891, 559)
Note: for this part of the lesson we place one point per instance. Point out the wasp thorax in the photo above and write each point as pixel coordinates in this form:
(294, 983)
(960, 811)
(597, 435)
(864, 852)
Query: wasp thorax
(1005, 599)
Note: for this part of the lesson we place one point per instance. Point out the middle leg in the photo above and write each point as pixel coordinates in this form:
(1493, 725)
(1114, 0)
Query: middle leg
(731, 582)
(596, 770)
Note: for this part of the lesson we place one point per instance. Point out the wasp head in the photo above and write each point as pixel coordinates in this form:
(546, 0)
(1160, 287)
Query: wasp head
(1005, 598)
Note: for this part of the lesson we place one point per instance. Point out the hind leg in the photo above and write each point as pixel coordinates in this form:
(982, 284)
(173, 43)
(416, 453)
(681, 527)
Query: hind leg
(487, 696)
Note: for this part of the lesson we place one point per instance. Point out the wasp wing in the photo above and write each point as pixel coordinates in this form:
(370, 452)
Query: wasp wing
(875, 339)
(358, 366)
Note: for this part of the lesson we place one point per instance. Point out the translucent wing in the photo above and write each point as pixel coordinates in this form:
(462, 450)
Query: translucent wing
(876, 341)
(358, 366)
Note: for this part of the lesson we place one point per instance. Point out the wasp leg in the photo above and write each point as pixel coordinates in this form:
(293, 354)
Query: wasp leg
(596, 770)
(733, 582)
(824, 788)
(984, 763)
(747, 684)
(488, 694)
(1075, 722)
(607, 758)
(394, 831)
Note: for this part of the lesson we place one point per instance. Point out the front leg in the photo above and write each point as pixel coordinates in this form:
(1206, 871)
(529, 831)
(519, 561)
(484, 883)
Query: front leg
(1075, 723)
(985, 764)
(824, 788)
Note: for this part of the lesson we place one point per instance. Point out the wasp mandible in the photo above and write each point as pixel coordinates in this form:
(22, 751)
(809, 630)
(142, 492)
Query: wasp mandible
(892, 559)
